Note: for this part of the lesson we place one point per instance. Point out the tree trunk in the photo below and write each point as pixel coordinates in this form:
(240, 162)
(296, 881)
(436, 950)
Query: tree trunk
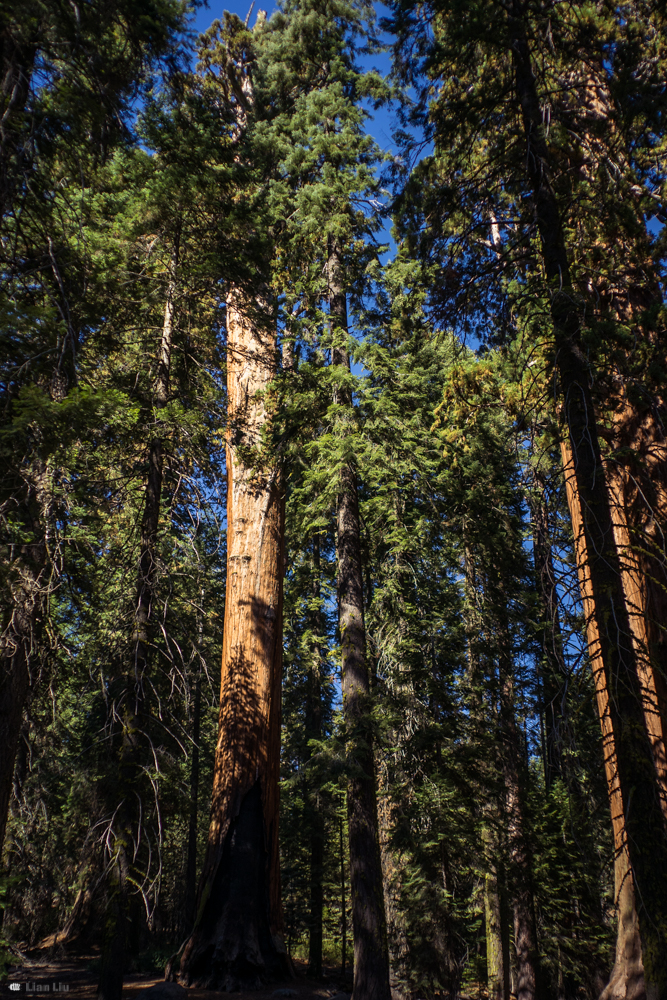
(371, 956)
(645, 821)
(495, 916)
(627, 977)
(191, 865)
(128, 811)
(637, 473)
(391, 877)
(495, 968)
(643, 595)
(313, 722)
(553, 672)
(518, 855)
(237, 936)
(343, 899)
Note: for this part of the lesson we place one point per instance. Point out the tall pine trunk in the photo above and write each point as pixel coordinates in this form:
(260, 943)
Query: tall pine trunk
(640, 784)
(313, 722)
(237, 936)
(519, 873)
(497, 972)
(627, 977)
(133, 710)
(189, 908)
(371, 956)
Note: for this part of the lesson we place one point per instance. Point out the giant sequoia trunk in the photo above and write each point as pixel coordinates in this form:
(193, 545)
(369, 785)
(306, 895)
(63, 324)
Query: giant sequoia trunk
(639, 780)
(637, 470)
(371, 957)
(237, 936)
(627, 977)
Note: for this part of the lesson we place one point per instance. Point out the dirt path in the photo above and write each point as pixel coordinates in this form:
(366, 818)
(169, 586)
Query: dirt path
(71, 977)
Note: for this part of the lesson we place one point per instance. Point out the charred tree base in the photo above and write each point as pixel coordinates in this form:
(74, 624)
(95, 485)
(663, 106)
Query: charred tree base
(232, 946)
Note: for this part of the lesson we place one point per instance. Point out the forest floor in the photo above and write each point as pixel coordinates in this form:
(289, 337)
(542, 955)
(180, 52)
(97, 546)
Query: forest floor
(43, 974)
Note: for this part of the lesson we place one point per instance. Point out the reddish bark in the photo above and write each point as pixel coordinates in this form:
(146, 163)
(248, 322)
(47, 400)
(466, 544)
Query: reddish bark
(627, 977)
(237, 936)
(635, 752)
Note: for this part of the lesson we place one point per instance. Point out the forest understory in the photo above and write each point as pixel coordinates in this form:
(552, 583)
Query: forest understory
(333, 499)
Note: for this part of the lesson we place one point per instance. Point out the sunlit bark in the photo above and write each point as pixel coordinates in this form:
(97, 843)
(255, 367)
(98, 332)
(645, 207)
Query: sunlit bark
(635, 754)
(627, 977)
(237, 937)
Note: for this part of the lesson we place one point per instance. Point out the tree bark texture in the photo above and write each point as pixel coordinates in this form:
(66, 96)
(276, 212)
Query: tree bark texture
(639, 780)
(237, 936)
(495, 966)
(371, 955)
(627, 977)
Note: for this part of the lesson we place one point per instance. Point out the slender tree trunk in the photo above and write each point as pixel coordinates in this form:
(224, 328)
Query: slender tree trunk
(627, 977)
(371, 956)
(495, 966)
(519, 860)
(391, 877)
(645, 821)
(343, 900)
(314, 732)
(497, 943)
(237, 936)
(553, 673)
(133, 708)
(191, 865)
